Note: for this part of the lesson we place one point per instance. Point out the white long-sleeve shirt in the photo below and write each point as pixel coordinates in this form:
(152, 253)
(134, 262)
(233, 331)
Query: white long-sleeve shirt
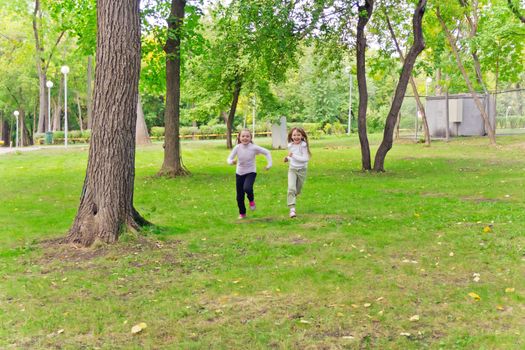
(246, 157)
(300, 156)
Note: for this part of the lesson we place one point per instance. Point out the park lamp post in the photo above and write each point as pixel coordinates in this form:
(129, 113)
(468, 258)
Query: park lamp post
(16, 113)
(349, 129)
(65, 71)
(49, 85)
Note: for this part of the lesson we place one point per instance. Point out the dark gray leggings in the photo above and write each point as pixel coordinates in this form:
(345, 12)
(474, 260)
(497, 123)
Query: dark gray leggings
(244, 184)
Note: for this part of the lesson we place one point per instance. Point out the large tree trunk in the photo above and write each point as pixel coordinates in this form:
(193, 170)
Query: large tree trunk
(231, 115)
(89, 88)
(365, 12)
(420, 106)
(406, 73)
(106, 204)
(488, 128)
(172, 165)
(142, 136)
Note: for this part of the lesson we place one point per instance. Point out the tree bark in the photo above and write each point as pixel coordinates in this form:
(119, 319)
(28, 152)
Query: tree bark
(406, 72)
(142, 136)
(488, 128)
(172, 165)
(365, 12)
(106, 203)
(231, 115)
(6, 133)
(412, 83)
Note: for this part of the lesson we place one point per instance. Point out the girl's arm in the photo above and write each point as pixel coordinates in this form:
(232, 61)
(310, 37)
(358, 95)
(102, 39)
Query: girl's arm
(266, 153)
(231, 157)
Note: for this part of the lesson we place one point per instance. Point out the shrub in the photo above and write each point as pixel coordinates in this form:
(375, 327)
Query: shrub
(86, 134)
(189, 130)
(157, 131)
(74, 134)
(219, 129)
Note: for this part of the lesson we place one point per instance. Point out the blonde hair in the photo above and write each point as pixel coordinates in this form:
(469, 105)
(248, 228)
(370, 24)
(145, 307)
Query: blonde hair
(304, 137)
(239, 135)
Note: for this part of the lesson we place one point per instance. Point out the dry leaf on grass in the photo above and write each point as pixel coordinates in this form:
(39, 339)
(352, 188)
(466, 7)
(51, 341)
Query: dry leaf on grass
(509, 290)
(414, 318)
(474, 296)
(138, 328)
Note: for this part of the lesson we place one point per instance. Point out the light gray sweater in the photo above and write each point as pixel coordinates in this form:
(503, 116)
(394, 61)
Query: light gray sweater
(300, 156)
(246, 157)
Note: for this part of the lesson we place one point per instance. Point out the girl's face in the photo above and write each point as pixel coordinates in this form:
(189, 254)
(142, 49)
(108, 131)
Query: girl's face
(297, 137)
(246, 137)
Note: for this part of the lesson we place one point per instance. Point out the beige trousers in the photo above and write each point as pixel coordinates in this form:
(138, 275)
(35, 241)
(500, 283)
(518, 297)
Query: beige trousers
(296, 179)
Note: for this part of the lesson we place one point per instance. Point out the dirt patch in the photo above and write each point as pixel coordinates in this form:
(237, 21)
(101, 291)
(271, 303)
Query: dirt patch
(479, 199)
(53, 250)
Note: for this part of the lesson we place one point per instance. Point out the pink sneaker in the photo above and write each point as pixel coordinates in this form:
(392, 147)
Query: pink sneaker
(292, 213)
(252, 206)
(242, 216)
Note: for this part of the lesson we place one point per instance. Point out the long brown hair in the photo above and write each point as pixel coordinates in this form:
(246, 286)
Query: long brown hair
(304, 137)
(239, 135)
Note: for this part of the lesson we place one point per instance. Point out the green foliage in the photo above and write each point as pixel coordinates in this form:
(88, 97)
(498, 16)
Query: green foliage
(157, 131)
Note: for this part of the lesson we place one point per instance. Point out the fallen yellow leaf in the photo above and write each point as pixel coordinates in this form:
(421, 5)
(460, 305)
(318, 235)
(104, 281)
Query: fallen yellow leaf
(414, 318)
(500, 308)
(509, 290)
(367, 304)
(474, 296)
(487, 229)
(138, 328)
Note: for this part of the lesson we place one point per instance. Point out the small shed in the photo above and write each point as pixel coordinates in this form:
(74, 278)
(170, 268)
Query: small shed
(464, 118)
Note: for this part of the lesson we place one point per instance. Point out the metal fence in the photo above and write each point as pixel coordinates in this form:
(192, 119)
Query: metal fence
(509, 109)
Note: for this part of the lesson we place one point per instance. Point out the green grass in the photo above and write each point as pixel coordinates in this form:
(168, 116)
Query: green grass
(366, 253)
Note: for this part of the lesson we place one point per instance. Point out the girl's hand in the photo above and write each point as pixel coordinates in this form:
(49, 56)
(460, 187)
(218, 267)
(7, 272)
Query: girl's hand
(285, 159)
(267, 168)
(290, 154)
(234, 162)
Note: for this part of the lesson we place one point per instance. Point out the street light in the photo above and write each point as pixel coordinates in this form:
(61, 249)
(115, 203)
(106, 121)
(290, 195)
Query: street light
(49, 85)
(16, 113)
(65, 71)
(349, 129)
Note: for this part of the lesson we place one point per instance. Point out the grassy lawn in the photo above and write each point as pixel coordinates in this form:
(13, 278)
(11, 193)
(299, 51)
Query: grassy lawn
(383, 261)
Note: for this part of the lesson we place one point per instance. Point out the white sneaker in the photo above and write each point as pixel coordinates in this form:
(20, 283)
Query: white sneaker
(292, 213)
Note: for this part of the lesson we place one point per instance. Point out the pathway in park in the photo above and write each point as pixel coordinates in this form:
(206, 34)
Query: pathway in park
(5, 150)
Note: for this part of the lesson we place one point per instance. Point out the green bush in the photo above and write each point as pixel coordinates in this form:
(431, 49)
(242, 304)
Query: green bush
(157, 131)
(58, 134)
(219, 129)
(86, 134)
(74, 134)
(189, 130)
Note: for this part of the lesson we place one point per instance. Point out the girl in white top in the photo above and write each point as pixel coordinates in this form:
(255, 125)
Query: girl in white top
(245, 151)
(298, 156)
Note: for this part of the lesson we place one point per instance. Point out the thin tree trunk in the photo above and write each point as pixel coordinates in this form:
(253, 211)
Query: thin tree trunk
(6, 133)
(172, 165)
(25, 135)
(89, 90)
(412, 83)
(79, 107)
(142, 136)
(365, 12)
(479, 105)
(516, 11)
(106, 204)
(57, 114)
(42, 67)
(406, 73)
(396, 126)
(231, 115)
